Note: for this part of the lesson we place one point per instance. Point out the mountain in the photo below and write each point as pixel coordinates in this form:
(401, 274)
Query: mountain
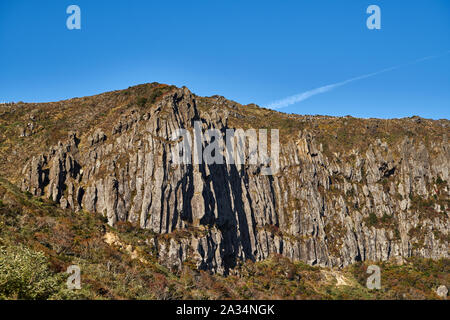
(39, 241)
(346, 190)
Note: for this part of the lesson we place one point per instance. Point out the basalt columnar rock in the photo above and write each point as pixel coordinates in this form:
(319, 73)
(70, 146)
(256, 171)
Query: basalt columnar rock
(346, 190)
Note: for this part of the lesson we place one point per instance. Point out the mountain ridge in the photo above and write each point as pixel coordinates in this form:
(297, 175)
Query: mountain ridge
(348, 190)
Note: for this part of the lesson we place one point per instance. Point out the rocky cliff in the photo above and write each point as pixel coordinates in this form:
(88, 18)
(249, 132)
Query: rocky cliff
(346, 190)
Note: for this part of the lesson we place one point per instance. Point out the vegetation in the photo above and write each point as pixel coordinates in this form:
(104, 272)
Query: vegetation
(38, 241)
(141, 101)
(372, 220)
(25, 274)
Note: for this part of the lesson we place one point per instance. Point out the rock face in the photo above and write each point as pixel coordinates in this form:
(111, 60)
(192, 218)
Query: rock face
(387, 202)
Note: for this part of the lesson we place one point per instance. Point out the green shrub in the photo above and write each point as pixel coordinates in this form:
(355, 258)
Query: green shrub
(155, 95)
(386, 218)
(141, 102)
(372, 220)
(24, 274)
(439, 181)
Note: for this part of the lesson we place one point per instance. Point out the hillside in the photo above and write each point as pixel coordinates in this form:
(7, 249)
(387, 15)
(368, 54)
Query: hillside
(348, 191)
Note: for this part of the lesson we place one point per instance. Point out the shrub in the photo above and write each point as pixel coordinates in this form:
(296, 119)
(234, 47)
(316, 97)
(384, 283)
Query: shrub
(155, 95)
(141, 101)
(386, 218)
(372, 220)
(24, 274)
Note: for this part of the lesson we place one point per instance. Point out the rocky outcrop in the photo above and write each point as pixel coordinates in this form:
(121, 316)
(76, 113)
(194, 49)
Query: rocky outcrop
(387, 202)
(442, 292)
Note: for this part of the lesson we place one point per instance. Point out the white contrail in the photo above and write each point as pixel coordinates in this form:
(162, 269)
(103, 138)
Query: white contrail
(308, 94)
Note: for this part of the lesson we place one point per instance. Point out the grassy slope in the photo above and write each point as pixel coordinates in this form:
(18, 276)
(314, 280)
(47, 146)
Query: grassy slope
(127, 269)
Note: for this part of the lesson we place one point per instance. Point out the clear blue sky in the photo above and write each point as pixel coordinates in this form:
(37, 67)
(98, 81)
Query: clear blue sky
(248, 51)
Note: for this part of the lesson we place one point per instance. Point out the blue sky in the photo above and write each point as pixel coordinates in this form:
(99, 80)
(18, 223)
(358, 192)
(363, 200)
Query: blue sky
(248, 51)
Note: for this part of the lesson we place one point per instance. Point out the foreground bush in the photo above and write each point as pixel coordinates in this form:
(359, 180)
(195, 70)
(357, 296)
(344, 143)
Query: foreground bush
(24, 274)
